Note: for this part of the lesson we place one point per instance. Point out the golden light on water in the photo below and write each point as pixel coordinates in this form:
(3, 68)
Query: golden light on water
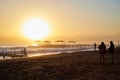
(36, 29)
(41, 54)
(35, 45)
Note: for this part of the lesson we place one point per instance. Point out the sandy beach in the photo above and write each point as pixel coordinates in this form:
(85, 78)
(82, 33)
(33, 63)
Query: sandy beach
(65, 66)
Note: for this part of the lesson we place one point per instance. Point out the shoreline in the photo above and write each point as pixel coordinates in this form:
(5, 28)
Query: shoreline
(7, 56)
(30, 55)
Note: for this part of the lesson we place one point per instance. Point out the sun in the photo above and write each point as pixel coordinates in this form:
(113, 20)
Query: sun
(36, 29)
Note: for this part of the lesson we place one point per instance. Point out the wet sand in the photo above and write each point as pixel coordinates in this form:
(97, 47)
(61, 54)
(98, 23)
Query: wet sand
(66, 66)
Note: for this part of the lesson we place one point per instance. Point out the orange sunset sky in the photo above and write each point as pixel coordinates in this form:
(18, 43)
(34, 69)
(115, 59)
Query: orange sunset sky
(85, 21)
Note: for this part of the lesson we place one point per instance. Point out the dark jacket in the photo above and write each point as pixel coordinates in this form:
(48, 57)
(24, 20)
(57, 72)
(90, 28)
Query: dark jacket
(102, 49)
(111, 49)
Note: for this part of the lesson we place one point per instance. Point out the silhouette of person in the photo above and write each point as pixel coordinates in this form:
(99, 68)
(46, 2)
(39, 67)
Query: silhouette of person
(95, 46)
(102, 50)
(111, 51)
(24, 51)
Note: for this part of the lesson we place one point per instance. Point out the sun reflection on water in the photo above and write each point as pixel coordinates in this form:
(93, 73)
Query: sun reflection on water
(40, 54)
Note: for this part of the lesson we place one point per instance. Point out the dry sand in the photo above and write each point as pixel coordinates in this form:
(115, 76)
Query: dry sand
(73, 66)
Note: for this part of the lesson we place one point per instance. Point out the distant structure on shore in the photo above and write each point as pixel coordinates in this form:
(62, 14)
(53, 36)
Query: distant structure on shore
(13, 52)
(60, 44)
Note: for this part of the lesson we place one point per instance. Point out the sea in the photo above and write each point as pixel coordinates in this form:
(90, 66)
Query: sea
(39, 51)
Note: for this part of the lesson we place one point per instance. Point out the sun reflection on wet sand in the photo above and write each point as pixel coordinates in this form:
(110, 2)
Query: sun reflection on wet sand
(41, 54)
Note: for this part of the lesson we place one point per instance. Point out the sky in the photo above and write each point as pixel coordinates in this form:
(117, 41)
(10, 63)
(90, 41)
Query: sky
(84, 21)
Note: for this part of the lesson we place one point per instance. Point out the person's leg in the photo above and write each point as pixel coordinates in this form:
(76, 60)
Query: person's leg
(112, 59)
(103, 58)
(100, 59)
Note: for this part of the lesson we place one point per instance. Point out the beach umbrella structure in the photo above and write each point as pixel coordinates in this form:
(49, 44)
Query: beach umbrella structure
(60, 43)
(38, 42)
(47, 42)
(71, 43)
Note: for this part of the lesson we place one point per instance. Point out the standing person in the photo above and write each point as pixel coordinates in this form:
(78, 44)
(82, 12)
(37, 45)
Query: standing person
(111, 51)
(95, 46)
(24, 51)
(102, 49)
